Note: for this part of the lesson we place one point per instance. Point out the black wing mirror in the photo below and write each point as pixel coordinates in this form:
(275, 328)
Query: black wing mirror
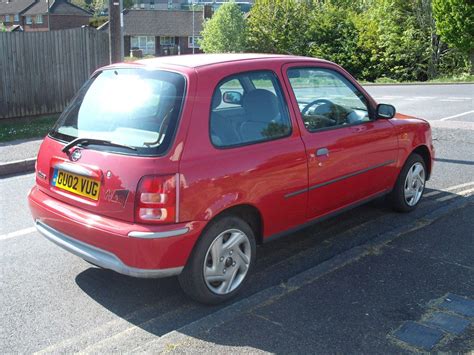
(232, 97)
(386, 111)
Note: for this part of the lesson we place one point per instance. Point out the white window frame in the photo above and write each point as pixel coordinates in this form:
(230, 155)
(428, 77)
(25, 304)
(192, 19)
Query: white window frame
(28, 20)
(39, 19)
(146, 43)
(167, 40)
(194, 45)
(7, 18)
(16, 18)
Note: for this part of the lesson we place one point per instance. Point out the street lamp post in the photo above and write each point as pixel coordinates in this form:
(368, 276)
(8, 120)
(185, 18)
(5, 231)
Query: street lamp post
(194, 44)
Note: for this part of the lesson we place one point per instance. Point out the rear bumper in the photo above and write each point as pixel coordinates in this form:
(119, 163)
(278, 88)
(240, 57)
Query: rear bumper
(128, 248)
(100, 257)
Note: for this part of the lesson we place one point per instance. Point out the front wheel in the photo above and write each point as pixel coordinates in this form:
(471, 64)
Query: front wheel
(410, 184)
(220, 262)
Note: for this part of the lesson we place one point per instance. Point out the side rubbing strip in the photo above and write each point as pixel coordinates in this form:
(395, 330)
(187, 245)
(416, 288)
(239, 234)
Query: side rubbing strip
(313, 187)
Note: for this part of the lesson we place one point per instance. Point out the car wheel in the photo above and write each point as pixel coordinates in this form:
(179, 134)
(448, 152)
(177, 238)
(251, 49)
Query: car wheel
(220, 262)
(410, 184)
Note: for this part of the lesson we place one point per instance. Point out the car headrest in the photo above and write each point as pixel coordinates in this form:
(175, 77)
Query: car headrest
(261, 105)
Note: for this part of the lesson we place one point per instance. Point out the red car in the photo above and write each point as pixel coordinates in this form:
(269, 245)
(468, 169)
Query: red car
(182, 165)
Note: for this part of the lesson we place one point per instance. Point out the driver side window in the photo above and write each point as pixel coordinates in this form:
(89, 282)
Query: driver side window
(326, 99)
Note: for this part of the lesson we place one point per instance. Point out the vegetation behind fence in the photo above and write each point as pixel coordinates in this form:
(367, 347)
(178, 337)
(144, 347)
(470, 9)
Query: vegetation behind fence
(41, 71)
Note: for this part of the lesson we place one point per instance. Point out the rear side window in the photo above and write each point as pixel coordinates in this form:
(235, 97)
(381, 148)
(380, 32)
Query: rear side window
(133, 107)
(248, 108)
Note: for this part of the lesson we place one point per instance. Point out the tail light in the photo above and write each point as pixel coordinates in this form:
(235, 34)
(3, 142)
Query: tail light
(156, 199)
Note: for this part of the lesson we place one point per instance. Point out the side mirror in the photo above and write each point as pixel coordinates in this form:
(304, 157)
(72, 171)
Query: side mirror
(232, 97)
(386, 111)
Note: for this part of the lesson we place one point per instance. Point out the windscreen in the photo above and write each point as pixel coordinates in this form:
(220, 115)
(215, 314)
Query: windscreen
(133, 107)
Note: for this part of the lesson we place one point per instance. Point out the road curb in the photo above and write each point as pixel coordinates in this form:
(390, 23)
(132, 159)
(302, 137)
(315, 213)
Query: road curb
(179, 337)
(17, 167)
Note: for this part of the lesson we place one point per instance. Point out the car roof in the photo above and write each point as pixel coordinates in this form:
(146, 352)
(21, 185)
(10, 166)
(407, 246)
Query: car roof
(202, 60)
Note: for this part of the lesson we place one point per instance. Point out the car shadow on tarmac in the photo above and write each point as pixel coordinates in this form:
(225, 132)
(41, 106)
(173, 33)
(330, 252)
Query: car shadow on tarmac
(159, 306)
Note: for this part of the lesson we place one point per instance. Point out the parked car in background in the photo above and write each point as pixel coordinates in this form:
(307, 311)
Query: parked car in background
(182, 165)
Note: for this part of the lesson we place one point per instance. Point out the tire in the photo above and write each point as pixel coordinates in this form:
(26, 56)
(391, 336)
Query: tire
(221, 261)
(400, 196)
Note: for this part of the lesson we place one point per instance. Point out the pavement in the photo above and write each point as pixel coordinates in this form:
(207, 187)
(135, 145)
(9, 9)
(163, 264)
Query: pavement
(370, 280)
(18, 156)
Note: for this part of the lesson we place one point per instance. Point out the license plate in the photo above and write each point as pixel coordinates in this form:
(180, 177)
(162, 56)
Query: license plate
(77, 184)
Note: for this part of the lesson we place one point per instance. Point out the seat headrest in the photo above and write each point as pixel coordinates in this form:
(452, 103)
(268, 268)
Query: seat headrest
(261, 105)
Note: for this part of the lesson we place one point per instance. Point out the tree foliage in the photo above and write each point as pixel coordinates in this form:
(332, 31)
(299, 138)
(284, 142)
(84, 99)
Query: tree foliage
(277, 26)
(396, 39)
(455, 24)
(225, 31)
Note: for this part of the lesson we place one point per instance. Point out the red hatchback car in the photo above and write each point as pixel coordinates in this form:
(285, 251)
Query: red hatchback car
(182, 165)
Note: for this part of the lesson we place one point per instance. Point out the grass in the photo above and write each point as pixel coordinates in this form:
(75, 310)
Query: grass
(25, 128)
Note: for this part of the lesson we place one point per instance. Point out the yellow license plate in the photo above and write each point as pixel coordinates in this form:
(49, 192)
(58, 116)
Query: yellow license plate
(77, 184)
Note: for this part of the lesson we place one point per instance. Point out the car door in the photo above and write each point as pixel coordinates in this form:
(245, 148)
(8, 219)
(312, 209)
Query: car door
(351, 155)
(256, 159)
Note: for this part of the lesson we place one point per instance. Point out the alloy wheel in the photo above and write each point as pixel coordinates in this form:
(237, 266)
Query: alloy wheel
(227, 261)
(414, 184)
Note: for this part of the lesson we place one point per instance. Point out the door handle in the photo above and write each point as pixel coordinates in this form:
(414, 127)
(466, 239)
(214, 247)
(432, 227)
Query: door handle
(322, 152)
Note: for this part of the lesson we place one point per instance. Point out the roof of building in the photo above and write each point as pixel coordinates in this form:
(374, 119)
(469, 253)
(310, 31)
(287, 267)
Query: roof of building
(13, 7)
(160, 23)
(201, 60)
(57, 7)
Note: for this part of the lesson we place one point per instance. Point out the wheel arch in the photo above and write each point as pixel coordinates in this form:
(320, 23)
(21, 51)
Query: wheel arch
(424, 152)
(249, 214)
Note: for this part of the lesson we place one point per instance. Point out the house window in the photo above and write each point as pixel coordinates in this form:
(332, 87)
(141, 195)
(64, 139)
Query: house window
(152, 4)
(142, 5)
(28, 20)
(7, 18)
(193, 42)
(145, 43)
(17, 18)
(167, 41)
(39, 19)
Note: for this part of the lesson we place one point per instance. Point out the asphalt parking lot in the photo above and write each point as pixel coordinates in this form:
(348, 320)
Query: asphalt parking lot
(369, 280)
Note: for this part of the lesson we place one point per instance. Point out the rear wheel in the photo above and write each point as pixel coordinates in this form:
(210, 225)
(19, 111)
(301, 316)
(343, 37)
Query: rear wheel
(220, 262)
(410, 184)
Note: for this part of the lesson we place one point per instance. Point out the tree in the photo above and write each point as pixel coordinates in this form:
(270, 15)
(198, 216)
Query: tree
(278, 26)
(127, 4)
(455, 24)
(333, 35)
(225, 31)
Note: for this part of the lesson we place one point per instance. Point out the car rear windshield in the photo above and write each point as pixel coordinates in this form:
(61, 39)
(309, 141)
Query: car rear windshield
(133, 107)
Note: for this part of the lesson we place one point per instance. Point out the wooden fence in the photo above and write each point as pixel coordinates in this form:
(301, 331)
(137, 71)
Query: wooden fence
(41, 71)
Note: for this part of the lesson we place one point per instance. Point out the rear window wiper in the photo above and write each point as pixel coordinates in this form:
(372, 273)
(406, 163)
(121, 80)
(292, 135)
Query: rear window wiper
(88, 141)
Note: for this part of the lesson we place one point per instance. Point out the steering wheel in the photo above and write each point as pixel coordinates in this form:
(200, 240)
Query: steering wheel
(315, 102)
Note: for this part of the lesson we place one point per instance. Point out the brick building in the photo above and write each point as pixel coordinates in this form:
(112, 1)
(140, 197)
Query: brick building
(42, 15)
(161, 32)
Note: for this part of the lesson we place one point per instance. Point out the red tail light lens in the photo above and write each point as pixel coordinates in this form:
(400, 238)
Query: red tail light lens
(156, 199)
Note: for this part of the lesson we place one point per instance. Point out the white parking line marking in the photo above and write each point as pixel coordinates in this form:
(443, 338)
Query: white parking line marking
(452, 188)
(17, 233)
(459, 115)
(432, 193)
(459, 194)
